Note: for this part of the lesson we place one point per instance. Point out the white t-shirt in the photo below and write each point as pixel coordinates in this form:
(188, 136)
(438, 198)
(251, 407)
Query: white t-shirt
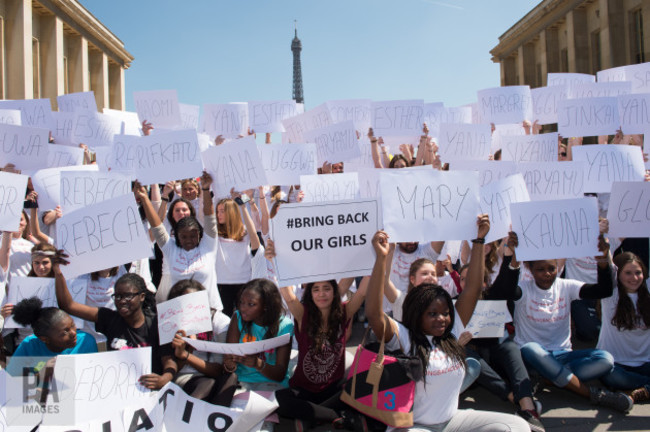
(438, 401)
(234, 260)
(544, 316)
(399, 272)
(582, 269)
(629, 347)
(20, 257)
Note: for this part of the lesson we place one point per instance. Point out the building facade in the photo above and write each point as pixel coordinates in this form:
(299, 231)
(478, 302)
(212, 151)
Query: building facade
(583, 36)
(53, 47)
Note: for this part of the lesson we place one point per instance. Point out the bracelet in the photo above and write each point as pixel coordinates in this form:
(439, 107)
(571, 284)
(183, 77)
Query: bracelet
(479, 240)
(164, 199)
(187, 356)
(229, 370)
(207, 189)
(263, 366)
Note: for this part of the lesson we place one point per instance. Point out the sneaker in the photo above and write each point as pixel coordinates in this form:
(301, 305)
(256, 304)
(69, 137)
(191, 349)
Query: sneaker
(617, 400)
(532, 418)
(641, 394)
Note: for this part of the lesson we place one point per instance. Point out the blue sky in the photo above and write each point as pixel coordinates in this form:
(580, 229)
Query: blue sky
(219, 51)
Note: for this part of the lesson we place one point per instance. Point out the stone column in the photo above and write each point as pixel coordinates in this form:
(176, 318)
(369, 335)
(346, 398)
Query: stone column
(99, 78)
(52, 74)
(18, 45)
(116, 86)
(77, 48)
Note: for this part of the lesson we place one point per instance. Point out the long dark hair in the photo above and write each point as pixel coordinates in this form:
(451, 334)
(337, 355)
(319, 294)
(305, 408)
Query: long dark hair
(170, 212)
(415, 305)
(334, 320)
(271, 302)
(626, 317)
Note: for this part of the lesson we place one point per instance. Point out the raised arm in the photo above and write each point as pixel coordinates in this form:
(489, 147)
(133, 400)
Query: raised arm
(265, 215)
(474, 285)
(35, 226)
(604, 286)
(374, 298)
(208, 204)
(63, 296)
(374, 147)
(293, 303)
(390, 291)
(141, 195)
(5, 250)
(164, 199)
(358, 298)
(248, 221)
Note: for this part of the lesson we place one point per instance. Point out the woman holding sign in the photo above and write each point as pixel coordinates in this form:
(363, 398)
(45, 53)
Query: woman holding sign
(430, 329)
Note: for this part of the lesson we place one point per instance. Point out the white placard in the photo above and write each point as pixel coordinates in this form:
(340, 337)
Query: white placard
(234, 164)
(428, 205)
(189, 312)
(12, 198)
(25, 147)
(72, 102)
(399, 117)
(102, 236)
(357, 110)
(330, 187)
(104, 382)
(464, 141)
(639, 76)
(285, 163)
(94, 129)
(228, 120)
(84, 188)
(189, 116)
(62, 129)
(21, 288)
(239, 349)
(511, 104)
(432, 116)
(612, 74)
(36, 113)
(158, 107)
(461, 114)
(588, 117)
(554, 180)
(296, 126)
(634, 113)
(64, 156)
(47, 183)
(607, 164)
(335, 143)
(545, 100)
(10, 117)
(530, 148)
(488, 171)
(568, 79)
(158, 158)
(599, 89)
(130, 123)
(369, 183)
(629, 210)
(496, 198)
(322, 241)
(267, 116)
(489, 319)
(556, 229)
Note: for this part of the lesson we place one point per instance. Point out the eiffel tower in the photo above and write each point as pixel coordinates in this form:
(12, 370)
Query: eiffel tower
(296, 47)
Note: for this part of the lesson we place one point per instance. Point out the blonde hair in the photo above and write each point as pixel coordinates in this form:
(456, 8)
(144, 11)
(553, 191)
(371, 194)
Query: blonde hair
(194, 183)
(233, 228)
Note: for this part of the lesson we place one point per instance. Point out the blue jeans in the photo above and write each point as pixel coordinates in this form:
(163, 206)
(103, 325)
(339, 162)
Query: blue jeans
(560, 366)
(628, 377)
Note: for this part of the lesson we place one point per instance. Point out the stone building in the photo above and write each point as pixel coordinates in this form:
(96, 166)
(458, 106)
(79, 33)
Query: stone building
(582, 36)
(53, 47)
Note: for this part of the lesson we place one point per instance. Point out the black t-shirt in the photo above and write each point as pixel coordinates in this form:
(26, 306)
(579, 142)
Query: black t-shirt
(120, 336)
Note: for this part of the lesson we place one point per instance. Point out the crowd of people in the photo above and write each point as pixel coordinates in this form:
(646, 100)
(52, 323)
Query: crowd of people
(417, 299)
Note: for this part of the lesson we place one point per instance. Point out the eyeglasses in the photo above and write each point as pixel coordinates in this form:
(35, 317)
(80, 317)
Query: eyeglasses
(563, 154)
(127, 297)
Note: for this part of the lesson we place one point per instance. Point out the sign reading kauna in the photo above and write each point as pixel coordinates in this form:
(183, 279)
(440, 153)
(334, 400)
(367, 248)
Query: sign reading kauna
(12, 195)
(511, 104)
(629, 209)
(321, 241)
(25, 147)
(556, 229)
(102, 236)
(428, 205)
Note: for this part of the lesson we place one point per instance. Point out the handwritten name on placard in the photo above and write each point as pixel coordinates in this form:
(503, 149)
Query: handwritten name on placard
(94, 129)
(316, 241)
(530, 148)
(158, 158)
(47, 183)
(461, 114)
(240, 349)
(285, 163)
(36, 113)
(130, 121)
(556, 229)
(62, 129)
(464, 141)
(189, 116)
(267, 116)
(63, 156)
(189, 312)
(427, 205)
(71, 102)
(569, 79)
(12, 195)
(504, 132)
(554, 180)
(158, 107)
(588, 117)
(634, 113)
(607, 164)
(629, 209)
(25, 147)
(401, 117)
(295, 127)
(432, 115)
(511, 104)
(357, 110)
(638, 75)
(80, 189)
(228, 120)
(335, 143)
(489, 319)
(330, 187)
(545, 100)
(602, 89)
(235, 164)
(10, 117)
(495, 201)
(489, 171)
(102, 236)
